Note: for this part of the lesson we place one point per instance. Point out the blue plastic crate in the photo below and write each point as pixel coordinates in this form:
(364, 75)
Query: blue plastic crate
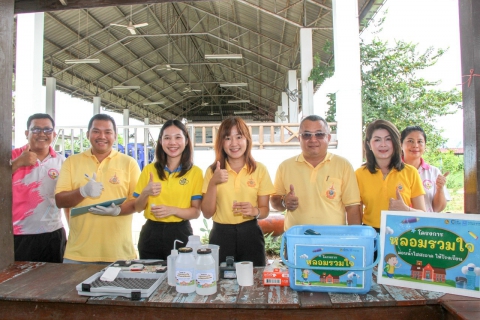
(339, 259)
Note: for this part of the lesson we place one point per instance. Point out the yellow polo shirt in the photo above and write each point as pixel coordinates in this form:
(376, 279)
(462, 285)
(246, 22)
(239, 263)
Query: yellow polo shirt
(323, 191)
(176, 191)
(242, 187)
(95, 237)
(376, 192)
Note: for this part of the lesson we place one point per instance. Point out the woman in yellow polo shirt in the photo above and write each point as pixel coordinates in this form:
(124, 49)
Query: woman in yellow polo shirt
(169, 191)
(236, 192)
(385, 182)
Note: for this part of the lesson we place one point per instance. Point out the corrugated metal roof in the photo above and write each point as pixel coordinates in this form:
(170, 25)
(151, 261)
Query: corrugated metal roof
(178, 34)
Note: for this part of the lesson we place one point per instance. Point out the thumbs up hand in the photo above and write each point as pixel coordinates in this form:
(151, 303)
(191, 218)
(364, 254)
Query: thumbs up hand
(152, 188)
(441, 180)
(291, 201)
(27, 158)
(220, 175)
(398, 204)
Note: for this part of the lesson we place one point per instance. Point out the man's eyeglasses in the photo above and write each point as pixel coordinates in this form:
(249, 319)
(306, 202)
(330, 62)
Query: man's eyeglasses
(46, 131)
(309, 135)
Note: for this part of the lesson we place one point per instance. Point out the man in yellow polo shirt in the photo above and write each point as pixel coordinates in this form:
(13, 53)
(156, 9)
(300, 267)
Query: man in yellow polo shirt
(316, 187)
(104, 234)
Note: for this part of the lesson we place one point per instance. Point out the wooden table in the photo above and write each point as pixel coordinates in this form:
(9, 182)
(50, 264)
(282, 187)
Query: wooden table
(31, 290)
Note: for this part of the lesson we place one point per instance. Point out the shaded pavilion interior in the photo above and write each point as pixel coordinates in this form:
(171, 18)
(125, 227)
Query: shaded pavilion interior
(166, 59)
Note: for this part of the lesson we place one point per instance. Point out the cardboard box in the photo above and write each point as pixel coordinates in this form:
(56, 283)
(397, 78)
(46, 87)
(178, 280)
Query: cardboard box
(276, 274)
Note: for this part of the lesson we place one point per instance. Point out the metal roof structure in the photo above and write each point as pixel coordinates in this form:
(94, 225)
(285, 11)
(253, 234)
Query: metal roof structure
(164, 59)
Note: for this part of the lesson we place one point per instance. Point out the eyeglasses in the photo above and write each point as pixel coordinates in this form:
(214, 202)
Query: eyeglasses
(46, 131)
(309, 135)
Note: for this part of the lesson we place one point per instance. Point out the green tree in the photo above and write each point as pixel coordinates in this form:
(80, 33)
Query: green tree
(392, 90)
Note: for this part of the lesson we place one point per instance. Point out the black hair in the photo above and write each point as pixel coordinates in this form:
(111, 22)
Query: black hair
(40, 116)
(396, 160)
(411, 129)
(186, 160)
(102, 117)
(314, 118)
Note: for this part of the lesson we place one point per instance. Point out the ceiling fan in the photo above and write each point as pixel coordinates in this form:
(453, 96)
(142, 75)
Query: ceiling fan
(168, 67)
(130, 27)
(189, 89)
(213, 113)
(281, 115)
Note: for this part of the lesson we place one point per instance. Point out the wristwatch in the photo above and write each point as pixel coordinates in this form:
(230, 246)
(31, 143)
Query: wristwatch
(258, 215)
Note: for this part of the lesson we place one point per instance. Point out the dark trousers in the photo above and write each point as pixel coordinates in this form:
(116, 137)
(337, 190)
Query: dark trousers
(156, 238)
(42, 247)
(243, 241)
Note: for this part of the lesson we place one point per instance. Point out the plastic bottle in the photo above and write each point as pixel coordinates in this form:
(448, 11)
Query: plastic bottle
(194, 243)
(171, 264)
(185, 271)
(471, 277)
(205, 274)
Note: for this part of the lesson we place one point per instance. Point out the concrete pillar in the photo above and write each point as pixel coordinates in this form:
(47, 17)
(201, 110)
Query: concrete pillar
(292, 101)
(28, 73)
(51, 87)
(306, 62)
(126, 122)
(146, 139)
(277, 118)
(97, 103)
(285, 104)
(347, 73)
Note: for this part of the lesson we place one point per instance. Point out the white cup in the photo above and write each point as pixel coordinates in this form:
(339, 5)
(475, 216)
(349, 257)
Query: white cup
(244, 272)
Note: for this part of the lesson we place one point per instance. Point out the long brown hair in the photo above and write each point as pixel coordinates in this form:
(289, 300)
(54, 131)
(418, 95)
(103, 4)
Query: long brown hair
(396, 160)
(224, 131)
(186, 161)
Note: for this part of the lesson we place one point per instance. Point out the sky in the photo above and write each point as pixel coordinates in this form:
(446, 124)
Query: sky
(430, 23)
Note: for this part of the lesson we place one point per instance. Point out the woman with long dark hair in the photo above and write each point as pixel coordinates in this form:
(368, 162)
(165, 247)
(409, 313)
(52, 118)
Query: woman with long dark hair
(236, 192)
(170, 193)
(385, 182)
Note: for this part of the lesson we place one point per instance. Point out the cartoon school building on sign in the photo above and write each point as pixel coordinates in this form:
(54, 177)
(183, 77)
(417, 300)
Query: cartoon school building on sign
(427, 273)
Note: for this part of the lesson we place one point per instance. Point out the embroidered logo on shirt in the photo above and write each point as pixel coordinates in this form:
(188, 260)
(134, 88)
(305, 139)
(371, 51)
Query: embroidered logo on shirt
(331, 193)
(53, 174)
(427, 184)
(251, 183)
(400, 187)
(114, 179)
(183, 181)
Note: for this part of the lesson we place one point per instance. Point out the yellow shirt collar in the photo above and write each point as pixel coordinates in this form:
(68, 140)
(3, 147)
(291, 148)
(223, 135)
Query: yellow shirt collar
(301, 158)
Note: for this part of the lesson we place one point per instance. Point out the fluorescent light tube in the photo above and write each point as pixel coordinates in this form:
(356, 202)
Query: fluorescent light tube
(223, 56)
(150, 103)
(242, 112)
(238, 101)
(75, 61)
(239, 84)
(126, 87)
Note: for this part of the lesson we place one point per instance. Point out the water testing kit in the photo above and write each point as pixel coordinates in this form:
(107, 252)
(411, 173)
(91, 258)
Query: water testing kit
(276, 274)
(134, 279)
(330, 258)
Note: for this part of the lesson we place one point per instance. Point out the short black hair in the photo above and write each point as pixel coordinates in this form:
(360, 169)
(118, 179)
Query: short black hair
(40, 116)
(102, 117)
(410, 129)
(314, 117)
